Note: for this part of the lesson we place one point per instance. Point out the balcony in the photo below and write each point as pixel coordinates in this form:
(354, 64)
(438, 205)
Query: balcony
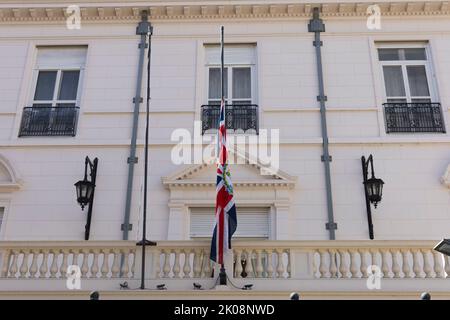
(49, 121)
(413, 117)
(240, 118)
(320, 269)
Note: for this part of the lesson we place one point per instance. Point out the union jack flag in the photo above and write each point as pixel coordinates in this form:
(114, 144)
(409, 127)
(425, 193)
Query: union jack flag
(226, 219)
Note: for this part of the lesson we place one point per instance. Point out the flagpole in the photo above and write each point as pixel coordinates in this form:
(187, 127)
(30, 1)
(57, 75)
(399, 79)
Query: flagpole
(222, 274)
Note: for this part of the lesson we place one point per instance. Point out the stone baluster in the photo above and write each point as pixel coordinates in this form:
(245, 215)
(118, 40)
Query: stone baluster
(176, 265)
(315, 269)
(166, 267)
(248, 263)
(84, 265)
(259, 266)
(384, 263)
(44, 267)
(197, 263)
(64, 264)
(373, 255)
(14, 267)
(5, 266)
(94, 267)
(54, 265)
(187, 263)
(105, 265)
(288, 267)
(447, 265)
(333, 264)
(133, 262)
(238, 264)
(427, 267)
(126, 263)
(271, 270)
(115, 269)
(406, 266)
(354, 270)
(33, 267)
(364, 263)
(280, 267)
(438, 269)
(416, 264)
(24, 266)
(343, 267)
(207, 264)
(323, 269)
(395, 264)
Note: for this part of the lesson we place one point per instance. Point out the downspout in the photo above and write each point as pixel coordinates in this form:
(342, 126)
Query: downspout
(142, 30)
(317, 26)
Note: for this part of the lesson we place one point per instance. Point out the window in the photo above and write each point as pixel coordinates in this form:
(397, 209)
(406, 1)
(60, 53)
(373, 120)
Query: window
(239, 61)
(57, 76)
(252, 223)
(54, 103)
(406, 73)
(239, 88)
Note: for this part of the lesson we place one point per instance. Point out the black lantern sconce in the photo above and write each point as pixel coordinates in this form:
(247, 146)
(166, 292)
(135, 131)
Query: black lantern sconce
(85, 191)
(443, 247)
(373, 189)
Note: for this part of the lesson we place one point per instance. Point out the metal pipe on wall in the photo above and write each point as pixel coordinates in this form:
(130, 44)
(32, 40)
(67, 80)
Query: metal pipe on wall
(317, 26)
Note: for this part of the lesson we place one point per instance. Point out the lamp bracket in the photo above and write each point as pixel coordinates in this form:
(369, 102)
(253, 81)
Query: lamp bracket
(132, 160)
(130, 227)
(331, 226)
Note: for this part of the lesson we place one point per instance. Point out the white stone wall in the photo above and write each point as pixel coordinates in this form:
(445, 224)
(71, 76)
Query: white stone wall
(415, 204)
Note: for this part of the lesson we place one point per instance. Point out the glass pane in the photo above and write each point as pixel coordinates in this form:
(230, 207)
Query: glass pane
(69, 85)
(242, 83)
(388, 54)
(242, 102)
(214, 91)
(66, 105)
(421, 100)
(415, 54)
(396, 100)
(417, 78)
(45, 85)
(45, 105)
(393, 80)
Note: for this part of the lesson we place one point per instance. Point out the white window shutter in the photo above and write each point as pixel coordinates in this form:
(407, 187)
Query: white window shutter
(233, 54)
(61, 57)
(252, 222)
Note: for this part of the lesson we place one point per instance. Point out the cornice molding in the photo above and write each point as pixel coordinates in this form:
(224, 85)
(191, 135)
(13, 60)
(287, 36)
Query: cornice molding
(111, 12)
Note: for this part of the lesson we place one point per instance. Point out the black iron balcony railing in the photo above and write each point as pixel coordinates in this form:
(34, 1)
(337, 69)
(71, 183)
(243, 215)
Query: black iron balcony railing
(49, 121)
(413, 117)
(238, 117)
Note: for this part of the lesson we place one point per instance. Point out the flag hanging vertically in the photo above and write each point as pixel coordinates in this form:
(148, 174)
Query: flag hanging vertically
(226, 219)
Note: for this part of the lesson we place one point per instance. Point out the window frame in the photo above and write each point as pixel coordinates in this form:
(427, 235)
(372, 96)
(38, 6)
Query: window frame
(229, 94)
(432, 88)
(55, 101)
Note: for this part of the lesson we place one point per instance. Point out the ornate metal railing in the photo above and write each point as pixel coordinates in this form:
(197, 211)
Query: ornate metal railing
(49, 121)
(413, 117)
(238, 117)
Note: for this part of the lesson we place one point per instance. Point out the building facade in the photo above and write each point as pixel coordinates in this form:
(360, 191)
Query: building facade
(70, 88)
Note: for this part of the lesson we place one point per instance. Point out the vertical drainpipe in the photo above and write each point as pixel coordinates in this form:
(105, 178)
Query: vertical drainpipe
(142, 30)
(317, 26)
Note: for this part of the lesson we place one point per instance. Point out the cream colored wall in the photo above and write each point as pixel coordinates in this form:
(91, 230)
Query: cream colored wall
(415, 204)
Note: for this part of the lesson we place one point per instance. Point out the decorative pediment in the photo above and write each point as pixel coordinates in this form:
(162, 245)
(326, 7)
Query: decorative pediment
(244, 173)
(446, 177)
(9, 180)
(218, 10)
